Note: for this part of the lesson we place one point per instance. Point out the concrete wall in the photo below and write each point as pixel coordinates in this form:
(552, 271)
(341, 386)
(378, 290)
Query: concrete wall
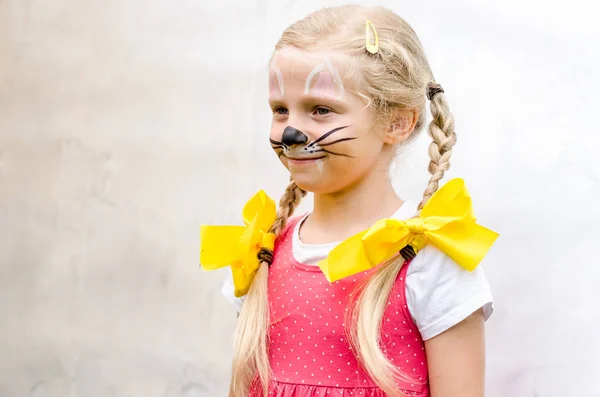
(126, 124)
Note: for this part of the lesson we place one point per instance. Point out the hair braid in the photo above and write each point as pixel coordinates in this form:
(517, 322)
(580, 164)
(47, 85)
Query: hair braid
(287, 205)
(251, 361)
(441, 129)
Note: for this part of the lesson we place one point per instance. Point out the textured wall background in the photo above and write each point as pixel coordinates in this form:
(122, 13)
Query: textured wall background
(125, 124)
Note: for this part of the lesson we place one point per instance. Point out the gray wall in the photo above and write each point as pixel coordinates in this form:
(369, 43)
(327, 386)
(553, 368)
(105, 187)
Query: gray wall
(124, 125)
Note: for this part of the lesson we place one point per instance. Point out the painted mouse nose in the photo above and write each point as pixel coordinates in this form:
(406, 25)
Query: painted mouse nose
(292, 136)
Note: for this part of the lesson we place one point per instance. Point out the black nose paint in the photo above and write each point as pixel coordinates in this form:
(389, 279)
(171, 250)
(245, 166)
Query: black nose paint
(292, 136)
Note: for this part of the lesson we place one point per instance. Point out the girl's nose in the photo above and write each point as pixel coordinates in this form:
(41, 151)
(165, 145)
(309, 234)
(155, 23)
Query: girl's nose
(292, 136)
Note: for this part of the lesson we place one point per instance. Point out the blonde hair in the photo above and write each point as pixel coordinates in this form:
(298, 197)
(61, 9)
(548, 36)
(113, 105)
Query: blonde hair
(250, 356)
(397, 77)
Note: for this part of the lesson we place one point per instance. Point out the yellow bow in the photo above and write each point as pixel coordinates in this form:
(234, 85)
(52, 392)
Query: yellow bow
(446, 221)
(238, 246)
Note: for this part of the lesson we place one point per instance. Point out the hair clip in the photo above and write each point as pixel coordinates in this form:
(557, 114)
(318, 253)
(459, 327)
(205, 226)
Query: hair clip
(373, 48)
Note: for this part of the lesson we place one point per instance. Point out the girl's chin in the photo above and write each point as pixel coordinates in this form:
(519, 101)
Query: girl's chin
(312, 176)
(313, 183)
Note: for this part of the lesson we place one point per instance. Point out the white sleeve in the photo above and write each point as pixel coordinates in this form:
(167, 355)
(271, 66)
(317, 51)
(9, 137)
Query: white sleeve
(227, 291)
(440, 293)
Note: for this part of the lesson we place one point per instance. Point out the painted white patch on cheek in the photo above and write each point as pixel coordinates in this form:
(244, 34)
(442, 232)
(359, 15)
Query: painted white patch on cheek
(319, 163)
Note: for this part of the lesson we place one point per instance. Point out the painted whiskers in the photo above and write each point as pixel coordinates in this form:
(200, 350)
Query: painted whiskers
(288, 147)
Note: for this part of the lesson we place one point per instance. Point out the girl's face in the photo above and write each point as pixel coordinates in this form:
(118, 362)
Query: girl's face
(324, 135)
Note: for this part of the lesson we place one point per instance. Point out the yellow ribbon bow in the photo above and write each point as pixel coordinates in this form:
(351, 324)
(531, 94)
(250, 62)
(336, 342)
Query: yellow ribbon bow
(238, 246)
(446, 221)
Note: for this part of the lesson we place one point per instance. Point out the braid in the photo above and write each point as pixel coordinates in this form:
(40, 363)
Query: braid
(373, 299)
(287, 205)
(251, 370)
(441, 129)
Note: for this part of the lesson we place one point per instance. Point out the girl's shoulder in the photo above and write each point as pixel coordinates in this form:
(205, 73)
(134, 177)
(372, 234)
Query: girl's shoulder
(440, 293)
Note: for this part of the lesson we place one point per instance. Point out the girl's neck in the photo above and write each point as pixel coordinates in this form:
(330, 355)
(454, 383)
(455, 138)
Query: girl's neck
(340, 215)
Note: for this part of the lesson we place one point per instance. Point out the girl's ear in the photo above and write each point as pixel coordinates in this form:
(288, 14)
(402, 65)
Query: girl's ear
(402, 125)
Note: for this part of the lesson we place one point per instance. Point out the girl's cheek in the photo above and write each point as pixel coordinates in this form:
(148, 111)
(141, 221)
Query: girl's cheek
(276, 132)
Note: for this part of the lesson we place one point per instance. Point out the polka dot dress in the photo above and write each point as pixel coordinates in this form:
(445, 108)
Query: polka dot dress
(308, 349)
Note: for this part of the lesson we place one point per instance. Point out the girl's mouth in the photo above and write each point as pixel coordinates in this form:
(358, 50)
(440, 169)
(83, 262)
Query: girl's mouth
(304, 160)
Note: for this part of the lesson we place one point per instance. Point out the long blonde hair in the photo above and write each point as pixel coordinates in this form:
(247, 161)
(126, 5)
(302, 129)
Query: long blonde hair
(396, 77)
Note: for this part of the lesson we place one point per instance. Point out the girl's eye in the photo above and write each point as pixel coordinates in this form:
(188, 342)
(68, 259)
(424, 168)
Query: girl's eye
(322, 111)
(280, 110)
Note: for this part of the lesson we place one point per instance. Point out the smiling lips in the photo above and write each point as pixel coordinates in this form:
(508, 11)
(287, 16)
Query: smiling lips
(303, 160)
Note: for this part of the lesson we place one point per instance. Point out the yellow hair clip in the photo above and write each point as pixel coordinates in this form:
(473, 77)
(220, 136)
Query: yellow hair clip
(373, 48)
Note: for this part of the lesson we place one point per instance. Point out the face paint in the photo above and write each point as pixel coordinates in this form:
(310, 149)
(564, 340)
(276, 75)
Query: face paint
(276, 82)
(319, 163)
(337, 80)
(292, 136)
(294, 144)
(327, 81)
(312, 75)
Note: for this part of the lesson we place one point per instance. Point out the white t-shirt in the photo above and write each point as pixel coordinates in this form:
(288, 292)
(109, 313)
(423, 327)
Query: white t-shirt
(439, 293)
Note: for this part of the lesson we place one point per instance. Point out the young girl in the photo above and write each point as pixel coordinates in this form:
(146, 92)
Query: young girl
(367, 295)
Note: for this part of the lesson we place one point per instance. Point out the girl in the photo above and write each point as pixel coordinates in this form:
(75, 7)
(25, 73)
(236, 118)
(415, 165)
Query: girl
(390, 311)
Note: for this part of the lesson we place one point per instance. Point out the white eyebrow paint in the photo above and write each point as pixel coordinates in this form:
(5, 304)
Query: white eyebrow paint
(327, 82)
(337, 80)
(276, 81)
(317, 69)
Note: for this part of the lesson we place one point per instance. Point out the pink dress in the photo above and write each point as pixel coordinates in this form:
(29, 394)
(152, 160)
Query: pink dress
(309, 353)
